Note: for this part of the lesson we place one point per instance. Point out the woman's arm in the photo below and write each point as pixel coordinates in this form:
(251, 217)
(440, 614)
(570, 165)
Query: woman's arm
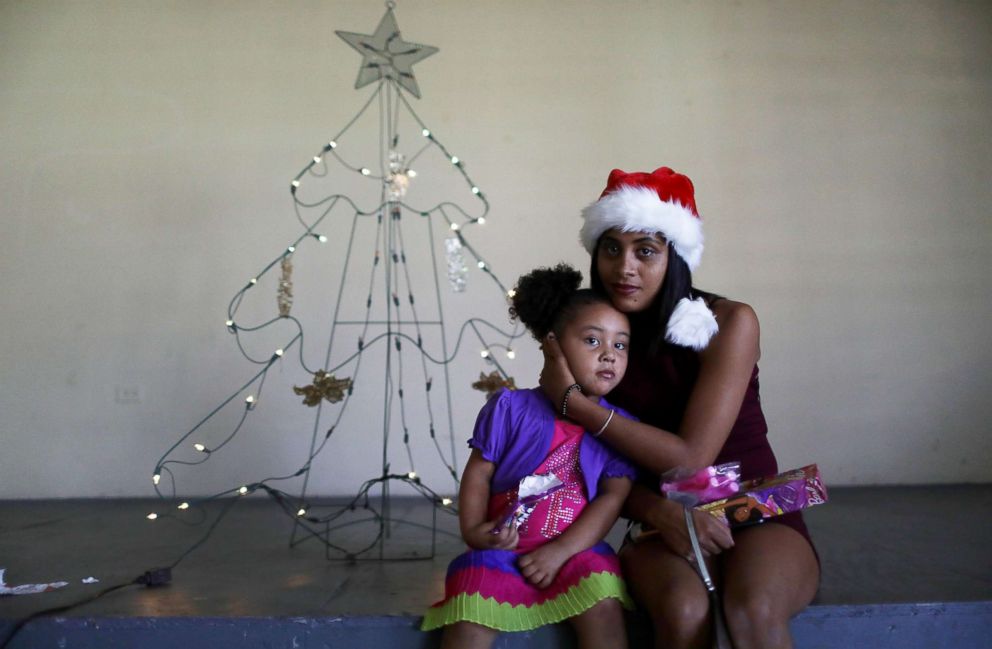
(724, 372)
(665, 518)
(473, 501)
(542, 565)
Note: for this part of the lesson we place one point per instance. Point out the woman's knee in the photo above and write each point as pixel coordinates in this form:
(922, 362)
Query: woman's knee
(757, 622)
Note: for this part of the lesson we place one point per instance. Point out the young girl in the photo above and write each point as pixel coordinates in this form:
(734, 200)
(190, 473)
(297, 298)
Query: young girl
(556, 566)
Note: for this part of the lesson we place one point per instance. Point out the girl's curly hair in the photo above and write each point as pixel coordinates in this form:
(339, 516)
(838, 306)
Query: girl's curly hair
(546, 298)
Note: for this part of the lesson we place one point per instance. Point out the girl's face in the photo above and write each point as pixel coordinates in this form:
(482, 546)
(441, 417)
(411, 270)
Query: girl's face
(632, 267)
(594, 344)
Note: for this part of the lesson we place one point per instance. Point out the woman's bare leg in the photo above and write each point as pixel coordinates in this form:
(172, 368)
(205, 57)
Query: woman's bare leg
(670, 589)
(770, 575)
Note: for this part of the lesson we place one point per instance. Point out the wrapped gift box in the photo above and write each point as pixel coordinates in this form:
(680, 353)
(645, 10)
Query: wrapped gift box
(763, 498)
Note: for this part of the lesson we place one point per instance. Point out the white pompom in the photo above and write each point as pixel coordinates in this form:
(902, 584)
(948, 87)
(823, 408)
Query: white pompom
(692, 324)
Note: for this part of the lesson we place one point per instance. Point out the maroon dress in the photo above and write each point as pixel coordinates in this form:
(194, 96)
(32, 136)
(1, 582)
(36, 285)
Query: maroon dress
(656, 389)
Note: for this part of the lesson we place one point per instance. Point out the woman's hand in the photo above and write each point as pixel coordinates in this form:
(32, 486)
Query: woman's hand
(556, 377)
(481, 537)
(541, 566)
(713, 534)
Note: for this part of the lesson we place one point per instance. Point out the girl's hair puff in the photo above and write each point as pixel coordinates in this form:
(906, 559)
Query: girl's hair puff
(546, 298)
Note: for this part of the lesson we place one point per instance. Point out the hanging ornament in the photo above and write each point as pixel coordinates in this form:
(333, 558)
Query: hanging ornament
(324, 386)
(284, 295)
(385, 55)
(493, 383)
(398, 180)
(457, 269)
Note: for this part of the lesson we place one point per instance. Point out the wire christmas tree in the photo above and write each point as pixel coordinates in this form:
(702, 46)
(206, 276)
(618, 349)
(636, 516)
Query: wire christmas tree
(386, 285)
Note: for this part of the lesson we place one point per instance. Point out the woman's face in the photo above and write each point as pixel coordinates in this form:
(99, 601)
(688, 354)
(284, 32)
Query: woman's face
(632, 268)
(595, 344)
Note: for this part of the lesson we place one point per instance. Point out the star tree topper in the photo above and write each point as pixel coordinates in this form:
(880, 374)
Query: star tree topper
(386, 55)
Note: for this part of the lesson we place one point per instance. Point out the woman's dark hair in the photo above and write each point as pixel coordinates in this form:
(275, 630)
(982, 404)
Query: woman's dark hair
(654, 319)
(546, 298)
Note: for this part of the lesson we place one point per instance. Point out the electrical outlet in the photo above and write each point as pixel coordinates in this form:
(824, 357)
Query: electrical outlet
(127, 394)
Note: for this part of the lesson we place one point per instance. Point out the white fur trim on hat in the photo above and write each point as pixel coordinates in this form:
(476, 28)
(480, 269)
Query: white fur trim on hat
(638, 209)
(692, 324)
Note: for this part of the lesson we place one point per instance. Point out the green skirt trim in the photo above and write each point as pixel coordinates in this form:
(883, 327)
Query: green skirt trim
(504, 616)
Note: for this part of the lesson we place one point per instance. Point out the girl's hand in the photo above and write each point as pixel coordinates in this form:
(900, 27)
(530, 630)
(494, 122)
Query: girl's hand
(713, 534)
(541, 566)
(481, 537)
(556, 376)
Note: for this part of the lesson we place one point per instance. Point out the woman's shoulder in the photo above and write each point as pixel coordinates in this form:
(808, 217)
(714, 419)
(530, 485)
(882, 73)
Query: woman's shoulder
(738, 328)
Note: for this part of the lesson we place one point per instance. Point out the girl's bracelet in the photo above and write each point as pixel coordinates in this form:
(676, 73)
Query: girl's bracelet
(608, 420)
(564, 400)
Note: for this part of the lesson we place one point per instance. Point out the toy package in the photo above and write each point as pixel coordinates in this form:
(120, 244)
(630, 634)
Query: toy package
(763, 498)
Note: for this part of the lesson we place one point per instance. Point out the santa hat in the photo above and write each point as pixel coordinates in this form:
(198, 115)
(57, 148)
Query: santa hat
(662, 201)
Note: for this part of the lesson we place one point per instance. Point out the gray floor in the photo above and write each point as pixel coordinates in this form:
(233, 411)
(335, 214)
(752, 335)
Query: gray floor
(877, 545)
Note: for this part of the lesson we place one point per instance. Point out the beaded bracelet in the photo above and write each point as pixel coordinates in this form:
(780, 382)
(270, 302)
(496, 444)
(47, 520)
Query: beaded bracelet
(564, 400)
(608, 420)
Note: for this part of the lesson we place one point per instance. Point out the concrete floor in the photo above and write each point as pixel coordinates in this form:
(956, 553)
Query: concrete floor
(877, 545)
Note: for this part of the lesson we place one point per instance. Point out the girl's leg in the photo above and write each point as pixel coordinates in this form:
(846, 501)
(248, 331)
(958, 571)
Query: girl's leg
(670, 589)
(770, 575)
(467, 635)
(601, 626)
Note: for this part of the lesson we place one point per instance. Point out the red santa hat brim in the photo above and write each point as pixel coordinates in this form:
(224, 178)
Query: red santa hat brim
(638, 209)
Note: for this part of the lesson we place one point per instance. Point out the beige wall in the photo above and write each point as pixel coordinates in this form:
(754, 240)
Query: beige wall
(840, 151)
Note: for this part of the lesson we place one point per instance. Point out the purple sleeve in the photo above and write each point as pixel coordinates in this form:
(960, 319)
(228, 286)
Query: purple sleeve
(489, 436)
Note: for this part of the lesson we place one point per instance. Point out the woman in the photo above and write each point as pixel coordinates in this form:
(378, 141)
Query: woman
(692, 380)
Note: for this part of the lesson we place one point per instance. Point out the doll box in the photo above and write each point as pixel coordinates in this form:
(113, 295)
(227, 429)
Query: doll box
(763, 498)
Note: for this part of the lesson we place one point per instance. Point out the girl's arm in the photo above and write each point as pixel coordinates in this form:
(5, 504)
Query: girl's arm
(724, 372)
(542, 565)
(473, 501)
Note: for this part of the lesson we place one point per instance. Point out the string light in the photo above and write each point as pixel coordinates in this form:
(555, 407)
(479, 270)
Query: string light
(511, 354)
(481, 220)
(316, 159)
(156, 478)
(322, 238)
(295, 183)
(482, 264)
(426, 133)
(455, 160)
(484, 353)
(302, 512)
(332, 144)
(200, 447)
(454, 226)
(152, 516)
(365, 172)
(291, 249)
(250, 401)
(512, 293)
(279, 352)
(229, 323)
(183, 506)
(475, 190)
(446, 502)
(411, 173)
(412, 475)
(243, 490)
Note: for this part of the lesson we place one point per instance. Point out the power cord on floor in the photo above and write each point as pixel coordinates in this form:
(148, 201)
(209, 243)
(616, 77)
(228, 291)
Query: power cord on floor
(150, 578)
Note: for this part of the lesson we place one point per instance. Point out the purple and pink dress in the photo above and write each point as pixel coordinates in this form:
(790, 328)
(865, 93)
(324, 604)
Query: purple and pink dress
(518, 432)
